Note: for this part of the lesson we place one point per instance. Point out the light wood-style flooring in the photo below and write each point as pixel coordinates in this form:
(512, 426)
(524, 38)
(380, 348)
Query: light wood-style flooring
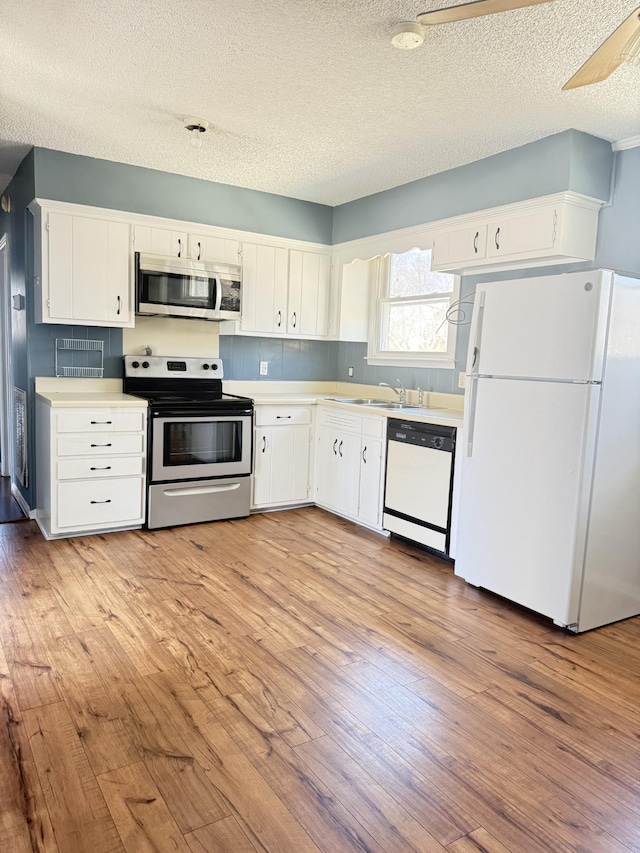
(291, 683)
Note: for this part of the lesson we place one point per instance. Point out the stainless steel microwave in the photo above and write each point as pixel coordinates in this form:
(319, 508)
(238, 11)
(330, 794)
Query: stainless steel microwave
(180, 287)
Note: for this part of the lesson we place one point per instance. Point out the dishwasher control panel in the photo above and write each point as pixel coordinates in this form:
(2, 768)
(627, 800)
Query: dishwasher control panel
(422, 435)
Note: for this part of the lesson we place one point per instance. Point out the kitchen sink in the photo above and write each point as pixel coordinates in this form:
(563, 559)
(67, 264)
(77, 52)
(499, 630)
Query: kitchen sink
(378, 404)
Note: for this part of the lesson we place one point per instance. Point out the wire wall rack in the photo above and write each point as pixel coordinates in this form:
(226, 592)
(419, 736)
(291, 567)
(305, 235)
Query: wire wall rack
(95, 348)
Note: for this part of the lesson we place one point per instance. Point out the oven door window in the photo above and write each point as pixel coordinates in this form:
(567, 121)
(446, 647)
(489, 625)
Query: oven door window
(175, 289)
(202, 443)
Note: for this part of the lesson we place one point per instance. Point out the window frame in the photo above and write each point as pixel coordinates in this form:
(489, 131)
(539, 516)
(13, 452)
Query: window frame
(378, 356)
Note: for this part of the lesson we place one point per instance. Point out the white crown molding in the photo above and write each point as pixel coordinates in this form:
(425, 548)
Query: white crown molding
(625, 144)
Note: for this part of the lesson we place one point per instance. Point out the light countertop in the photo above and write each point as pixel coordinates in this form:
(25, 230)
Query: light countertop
(90, 399)
(438, 416)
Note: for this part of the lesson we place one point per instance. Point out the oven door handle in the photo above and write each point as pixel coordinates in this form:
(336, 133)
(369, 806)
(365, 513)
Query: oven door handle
(201, 490)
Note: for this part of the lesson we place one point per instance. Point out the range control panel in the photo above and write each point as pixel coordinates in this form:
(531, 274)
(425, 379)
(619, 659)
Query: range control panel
(160, 366)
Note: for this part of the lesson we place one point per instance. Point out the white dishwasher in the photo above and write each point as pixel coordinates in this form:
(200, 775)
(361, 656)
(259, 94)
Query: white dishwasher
(417, 496)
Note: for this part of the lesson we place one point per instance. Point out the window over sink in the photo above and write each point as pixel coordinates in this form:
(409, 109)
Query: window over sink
(408, 325)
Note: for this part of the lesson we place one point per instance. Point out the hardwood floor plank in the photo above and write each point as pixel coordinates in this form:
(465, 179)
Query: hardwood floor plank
(312, 803)
(256, 807)
(223, 836)
(79, 815)
(95, 715)
(191, 797)
(292, 683)
(478, 841)
(24, 819)
(141, 815)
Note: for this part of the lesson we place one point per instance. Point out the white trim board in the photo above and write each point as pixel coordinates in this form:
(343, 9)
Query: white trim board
(625, 144)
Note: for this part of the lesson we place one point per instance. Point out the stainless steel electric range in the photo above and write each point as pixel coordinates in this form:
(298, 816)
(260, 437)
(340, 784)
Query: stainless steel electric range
(199, 440)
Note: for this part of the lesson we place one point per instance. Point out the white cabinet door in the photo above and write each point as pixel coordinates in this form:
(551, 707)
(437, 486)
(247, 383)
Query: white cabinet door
(326, 468)
(370, 503)
(89, 270)
(161, 241)
(264, 288)
(528, 234)
(59, 265)
(204, 248)
(309, 286)
(460, 246)
(348, 470)
(281, 470)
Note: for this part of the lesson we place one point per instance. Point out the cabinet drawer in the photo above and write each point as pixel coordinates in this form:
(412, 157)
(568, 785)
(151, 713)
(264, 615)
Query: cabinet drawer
(100, 502)
(101, 444)
(282, 415)
(99, 420)
(98, 467)
(340, 419)
(374, 427)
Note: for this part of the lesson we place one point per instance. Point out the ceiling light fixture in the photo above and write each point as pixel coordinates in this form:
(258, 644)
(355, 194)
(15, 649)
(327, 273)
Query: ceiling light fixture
(196, 127)
(407, 35)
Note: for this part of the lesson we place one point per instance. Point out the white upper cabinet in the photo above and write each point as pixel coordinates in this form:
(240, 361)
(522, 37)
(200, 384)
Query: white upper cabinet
(549, 230)
(83, 268)
(202, 247)
(309, 285)
(285, 292)
(161, 241)
(264, 288)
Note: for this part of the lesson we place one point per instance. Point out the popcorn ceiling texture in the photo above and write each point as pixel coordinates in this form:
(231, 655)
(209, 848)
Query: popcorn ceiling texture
(306, 99)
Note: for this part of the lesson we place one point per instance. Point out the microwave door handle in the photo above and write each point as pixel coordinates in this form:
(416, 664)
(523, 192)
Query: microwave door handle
(218, 294)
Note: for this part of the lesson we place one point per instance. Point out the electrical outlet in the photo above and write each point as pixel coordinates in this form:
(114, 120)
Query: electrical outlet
(462, 380)
(264, 368)
(350, 371)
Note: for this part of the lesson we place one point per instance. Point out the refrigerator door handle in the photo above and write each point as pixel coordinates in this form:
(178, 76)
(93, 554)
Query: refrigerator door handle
(470, 416)
(476, 331)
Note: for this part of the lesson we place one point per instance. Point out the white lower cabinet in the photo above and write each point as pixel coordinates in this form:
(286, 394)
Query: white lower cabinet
(90, 469)
(349, 465)
(281, 456)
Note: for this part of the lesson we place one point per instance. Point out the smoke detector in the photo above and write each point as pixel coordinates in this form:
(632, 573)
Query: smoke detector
(407, 35)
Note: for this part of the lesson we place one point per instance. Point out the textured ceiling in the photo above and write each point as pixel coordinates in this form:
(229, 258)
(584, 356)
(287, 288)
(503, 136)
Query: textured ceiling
(306, 99)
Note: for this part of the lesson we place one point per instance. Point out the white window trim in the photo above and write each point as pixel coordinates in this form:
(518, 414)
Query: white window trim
(376, 356)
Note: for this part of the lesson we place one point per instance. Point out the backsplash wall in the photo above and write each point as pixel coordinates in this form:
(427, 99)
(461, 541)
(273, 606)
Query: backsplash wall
(293, 360)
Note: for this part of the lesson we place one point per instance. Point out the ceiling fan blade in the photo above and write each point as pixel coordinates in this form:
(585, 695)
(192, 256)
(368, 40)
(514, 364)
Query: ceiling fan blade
(473, 10)
(608, 56)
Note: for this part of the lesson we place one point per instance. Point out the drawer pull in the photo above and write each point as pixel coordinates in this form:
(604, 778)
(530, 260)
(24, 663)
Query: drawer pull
(106, 468)
(283, 417)
(108, 501)
(102, 445)
(101, 422)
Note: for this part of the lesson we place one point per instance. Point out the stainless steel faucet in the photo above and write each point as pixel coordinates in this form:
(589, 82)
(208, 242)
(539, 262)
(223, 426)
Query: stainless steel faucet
(402, 393)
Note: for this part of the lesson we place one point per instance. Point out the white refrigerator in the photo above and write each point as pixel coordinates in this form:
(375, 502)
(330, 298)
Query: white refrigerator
(549, 511)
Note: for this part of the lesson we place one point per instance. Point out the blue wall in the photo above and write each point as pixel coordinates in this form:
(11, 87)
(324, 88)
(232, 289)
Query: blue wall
(102, 183)
(566, 161)
(288, 359)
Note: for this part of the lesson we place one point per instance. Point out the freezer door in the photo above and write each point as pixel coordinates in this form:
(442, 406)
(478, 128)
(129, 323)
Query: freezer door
(549, 327)
(526, 475)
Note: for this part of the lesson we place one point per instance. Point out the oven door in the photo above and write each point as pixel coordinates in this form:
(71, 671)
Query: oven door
(201, 446)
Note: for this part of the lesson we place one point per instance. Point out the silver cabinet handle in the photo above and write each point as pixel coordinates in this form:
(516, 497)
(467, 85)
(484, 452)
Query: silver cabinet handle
(119, 305)
(497, 239)
(106, 468)
(364, 454)
(108, 501)
(340, 448)
(101, 445)
(295, 319)
(334, 446)
(101, 422)
(264, 443)
(179, 247)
